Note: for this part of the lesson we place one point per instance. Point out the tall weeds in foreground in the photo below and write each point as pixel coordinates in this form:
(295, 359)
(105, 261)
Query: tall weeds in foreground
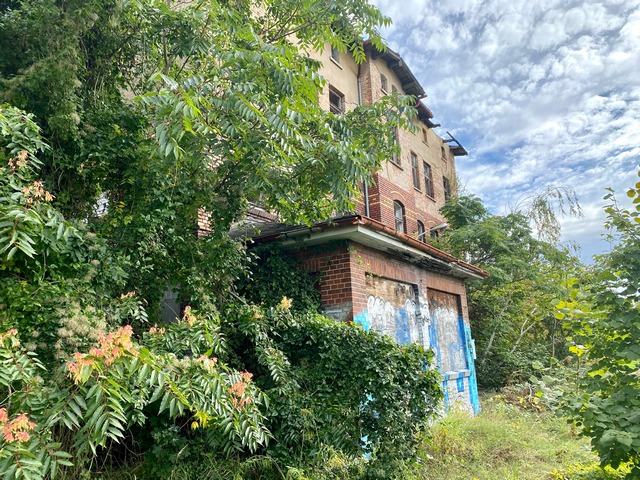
(513, 438)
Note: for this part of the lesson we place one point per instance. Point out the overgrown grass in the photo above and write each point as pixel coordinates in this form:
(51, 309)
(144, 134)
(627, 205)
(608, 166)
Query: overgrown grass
(508, 442)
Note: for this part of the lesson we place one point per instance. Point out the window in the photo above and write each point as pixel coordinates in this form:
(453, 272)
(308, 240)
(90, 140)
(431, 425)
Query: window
(421, 231)
(394, 89)
(398, 213)
(424, 136)
(428, 179)
(443, 152)
(447, 188)
(414, 170)
(383, 83)
(336, 101)
(335, 55)
(396, 158)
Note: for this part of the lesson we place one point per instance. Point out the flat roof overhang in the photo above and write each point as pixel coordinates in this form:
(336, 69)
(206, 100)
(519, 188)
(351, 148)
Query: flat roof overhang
(376, 235)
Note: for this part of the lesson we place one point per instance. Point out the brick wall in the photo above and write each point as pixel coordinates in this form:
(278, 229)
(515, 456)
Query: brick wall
(343, 270)
(333, 263)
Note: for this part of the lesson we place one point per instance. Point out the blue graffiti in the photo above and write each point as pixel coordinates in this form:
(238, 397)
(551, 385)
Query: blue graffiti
(403, 335)
(473, 386)
(361, 319)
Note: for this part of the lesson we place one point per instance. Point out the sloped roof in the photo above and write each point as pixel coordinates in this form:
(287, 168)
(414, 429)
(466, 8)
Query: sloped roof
(377, 235)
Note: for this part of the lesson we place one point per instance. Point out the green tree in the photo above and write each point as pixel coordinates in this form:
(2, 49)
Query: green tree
(512, 311)
(158, 114)
(154, 116)
(606, 336)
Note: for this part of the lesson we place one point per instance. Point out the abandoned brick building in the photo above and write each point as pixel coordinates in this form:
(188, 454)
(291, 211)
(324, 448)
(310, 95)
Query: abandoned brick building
(376, 266)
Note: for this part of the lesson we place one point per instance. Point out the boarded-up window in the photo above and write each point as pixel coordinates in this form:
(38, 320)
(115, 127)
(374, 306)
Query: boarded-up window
(447, 318)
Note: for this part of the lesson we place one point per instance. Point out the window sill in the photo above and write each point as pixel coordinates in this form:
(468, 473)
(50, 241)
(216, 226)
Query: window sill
(430, 197)
(336, 63)
(417, 189)
(397, 165)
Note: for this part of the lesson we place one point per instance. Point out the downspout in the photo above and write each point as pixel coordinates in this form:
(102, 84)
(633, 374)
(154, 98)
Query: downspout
(366, 188)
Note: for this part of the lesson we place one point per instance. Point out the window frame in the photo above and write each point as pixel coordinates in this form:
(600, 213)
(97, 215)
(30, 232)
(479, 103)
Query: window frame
(414, 170)
(428, 179)
(446, 185)
(399, 216)
(384, 83)
(422, 232)
(335, 55)
(395, 158)
(333, 108)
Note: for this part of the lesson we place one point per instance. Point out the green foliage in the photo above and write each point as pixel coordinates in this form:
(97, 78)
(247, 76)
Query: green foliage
(506, 442)
(157, 118)
(97, 397)
(337, 391)
(512, 312)
(590, 472)
(605, 329)
(273, 275)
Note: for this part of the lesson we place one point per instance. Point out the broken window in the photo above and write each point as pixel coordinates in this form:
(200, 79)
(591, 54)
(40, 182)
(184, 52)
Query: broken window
(414, 170)
(447, 188)
(335, 54)
(421, 231)
(384, 84)
(428, 179)
(398, 212)
(336, 101)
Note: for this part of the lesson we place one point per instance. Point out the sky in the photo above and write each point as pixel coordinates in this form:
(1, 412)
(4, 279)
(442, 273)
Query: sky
(540, 92)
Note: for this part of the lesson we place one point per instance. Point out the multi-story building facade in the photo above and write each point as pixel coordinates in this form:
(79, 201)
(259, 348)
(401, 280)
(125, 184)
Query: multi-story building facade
(376, 266)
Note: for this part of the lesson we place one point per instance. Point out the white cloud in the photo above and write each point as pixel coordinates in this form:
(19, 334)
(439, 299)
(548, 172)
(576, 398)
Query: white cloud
(541, 92)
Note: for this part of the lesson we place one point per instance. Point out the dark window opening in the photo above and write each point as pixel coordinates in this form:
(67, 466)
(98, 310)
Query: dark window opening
(447, 188)
(335, 54)
(336, 101)
(384, 84)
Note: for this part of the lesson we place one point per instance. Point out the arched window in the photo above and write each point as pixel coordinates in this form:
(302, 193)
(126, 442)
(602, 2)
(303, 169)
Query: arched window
(421, 231)
(398, 212)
